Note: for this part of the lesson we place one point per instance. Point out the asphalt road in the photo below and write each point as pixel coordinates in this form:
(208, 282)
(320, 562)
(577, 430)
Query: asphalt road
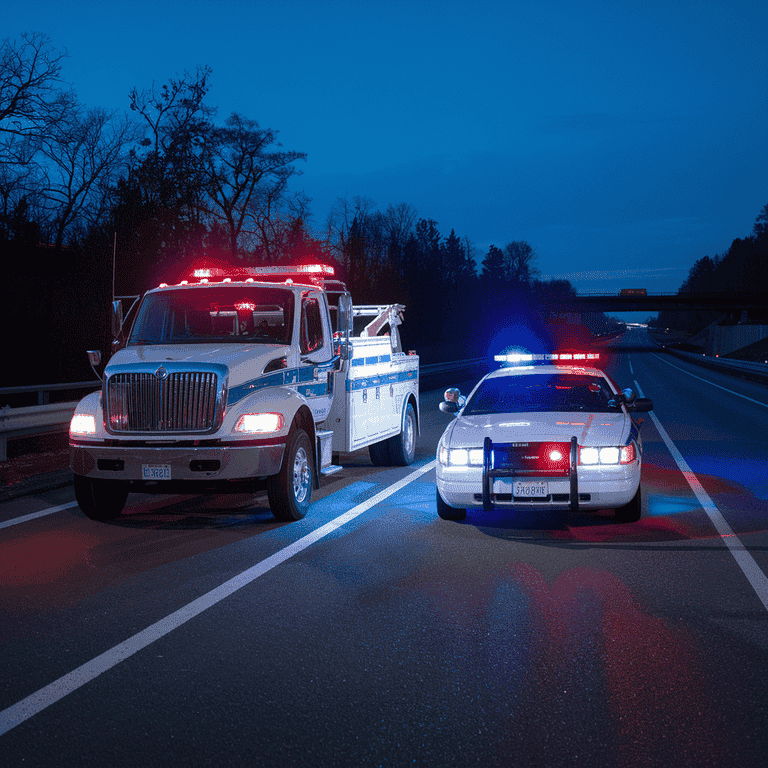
(372, 633)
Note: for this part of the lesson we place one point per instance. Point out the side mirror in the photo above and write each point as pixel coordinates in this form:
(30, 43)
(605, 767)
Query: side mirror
(640, 405)
(117, 318)
(94, 358)
(629, 395)
(453, 402)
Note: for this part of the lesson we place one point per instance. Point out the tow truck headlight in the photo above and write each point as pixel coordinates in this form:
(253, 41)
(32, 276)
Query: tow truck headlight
(82, 424)
(624, 454)
(259, 423)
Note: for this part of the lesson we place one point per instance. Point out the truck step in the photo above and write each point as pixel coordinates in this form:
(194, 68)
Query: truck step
(330, 469)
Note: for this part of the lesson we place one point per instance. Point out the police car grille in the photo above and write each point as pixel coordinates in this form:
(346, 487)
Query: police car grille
(182, 402)
(532, 459)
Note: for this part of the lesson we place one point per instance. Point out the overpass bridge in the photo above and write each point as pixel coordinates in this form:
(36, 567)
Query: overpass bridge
(755, 304)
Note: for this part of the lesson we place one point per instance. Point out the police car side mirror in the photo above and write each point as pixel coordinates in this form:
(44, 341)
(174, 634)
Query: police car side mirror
(629, 395)
(640, 405)
(448, 406)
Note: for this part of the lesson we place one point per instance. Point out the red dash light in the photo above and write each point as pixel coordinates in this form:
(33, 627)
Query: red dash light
(202, 273)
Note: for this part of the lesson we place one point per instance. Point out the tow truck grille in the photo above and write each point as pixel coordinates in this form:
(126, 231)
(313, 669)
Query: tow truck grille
(181, 402)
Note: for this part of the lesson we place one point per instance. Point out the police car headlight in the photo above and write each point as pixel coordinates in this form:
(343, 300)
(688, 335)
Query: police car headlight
(259, 423)
(609, 454)
(460, 457)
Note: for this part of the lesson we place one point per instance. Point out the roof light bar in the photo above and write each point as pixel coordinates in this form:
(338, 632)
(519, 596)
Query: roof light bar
(524, 358)
(248, 273)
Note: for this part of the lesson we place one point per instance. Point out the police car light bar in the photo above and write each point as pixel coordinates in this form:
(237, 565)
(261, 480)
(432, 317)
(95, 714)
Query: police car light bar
(524, 358)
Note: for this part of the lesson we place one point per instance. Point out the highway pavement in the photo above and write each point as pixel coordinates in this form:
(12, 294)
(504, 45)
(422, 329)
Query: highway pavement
(198, 631)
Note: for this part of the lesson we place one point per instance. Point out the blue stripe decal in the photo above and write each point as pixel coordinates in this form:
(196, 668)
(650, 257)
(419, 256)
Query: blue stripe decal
(278, 379)
(371, 360)
(376, 381)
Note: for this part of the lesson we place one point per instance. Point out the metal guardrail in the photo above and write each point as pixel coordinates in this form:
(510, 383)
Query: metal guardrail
(32, 420)
(43, 391)
(756, 371)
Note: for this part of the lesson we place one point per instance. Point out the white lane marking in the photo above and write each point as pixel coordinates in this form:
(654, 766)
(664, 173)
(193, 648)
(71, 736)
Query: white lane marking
(746, 562)
(50, 694)
(35, 515)
(631, 369)
(725, 389)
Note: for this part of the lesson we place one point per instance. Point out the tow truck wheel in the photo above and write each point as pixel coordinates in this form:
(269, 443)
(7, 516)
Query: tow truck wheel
(290, 491)
(632, 510)
(446, 512)
(402, 447)
(100, 500)
(379, 453)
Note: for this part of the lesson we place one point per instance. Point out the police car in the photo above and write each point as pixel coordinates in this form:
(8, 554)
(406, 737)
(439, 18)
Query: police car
(542, 432)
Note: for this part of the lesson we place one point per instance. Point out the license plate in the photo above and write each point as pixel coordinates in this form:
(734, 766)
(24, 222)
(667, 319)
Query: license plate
(156, 471)
(530, 490)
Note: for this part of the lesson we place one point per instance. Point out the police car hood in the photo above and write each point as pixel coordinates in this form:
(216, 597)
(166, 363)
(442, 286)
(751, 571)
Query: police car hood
(244, 361)
(589, 429)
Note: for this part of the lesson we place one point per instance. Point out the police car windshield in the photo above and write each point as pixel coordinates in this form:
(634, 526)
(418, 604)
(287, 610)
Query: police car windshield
(541, 393)
(205, 315)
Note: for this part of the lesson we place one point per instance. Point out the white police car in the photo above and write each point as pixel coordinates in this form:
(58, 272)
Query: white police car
(545, 431)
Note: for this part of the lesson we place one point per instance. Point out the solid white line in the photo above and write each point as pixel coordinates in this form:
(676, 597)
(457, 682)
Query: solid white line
(746, 562)
(725, 389)
(35, 515)
(50, 694)
(631, 369)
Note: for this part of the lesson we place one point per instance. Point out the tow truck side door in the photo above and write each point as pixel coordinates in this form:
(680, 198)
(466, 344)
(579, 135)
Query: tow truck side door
(316, 347)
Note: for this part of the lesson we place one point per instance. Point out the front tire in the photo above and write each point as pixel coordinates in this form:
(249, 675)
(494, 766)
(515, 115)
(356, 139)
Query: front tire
(100, 500)
(632, 510)
(290, 491)
(402, 447)
(448, 513)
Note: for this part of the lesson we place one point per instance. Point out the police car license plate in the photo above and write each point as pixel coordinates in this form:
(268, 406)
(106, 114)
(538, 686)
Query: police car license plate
(156, 471)
(530, 490)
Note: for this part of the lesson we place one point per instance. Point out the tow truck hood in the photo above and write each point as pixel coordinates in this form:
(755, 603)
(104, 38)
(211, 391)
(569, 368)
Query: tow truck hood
(244, 362)
(589, 429)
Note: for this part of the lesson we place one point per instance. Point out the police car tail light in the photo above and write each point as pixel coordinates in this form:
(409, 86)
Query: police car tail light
(259, 423)
(82, 424)
(624, 454)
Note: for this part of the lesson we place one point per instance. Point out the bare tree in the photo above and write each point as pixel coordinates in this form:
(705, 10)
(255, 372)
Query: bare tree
(32, 103)
(82, 155)
(30, 96)
(237, 161)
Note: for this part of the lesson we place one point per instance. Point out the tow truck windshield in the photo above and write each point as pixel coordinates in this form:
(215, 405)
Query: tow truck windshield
(541, 393)
(215, 314)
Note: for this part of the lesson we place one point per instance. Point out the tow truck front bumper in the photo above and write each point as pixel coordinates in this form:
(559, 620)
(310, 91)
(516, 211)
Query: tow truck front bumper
(149, 467)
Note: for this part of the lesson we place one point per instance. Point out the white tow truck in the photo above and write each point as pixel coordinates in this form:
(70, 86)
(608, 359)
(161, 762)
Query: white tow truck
(242, 380)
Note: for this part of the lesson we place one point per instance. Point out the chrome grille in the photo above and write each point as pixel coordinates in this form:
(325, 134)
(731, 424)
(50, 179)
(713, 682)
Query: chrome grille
(181, 402)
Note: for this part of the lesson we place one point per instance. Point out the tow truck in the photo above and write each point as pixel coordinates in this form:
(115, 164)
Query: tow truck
(240, 380)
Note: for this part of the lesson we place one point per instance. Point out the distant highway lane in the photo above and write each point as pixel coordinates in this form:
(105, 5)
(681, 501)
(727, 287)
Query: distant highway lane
(372, 633)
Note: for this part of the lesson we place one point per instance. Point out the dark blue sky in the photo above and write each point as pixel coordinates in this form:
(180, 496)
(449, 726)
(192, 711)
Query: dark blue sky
(622, 140)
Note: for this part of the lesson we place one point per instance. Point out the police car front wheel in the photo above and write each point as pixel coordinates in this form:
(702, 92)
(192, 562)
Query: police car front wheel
(632, 510)
(446, 512)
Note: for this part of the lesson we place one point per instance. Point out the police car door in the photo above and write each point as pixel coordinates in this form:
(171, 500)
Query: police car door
(316, 346)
